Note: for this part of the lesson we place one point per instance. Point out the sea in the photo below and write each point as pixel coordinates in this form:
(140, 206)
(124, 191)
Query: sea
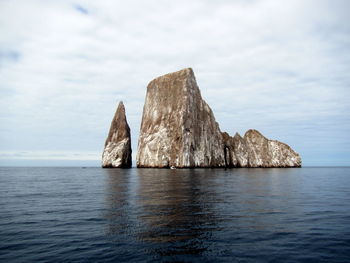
(78, 214)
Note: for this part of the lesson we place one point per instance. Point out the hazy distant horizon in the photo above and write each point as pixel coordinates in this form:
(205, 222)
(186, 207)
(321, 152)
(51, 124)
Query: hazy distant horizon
(279, 67)
(97, 164)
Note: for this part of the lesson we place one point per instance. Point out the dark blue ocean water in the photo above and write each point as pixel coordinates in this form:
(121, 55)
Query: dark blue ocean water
(197, 215)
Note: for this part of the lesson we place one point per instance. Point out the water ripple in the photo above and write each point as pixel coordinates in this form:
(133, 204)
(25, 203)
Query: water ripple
(198, 215)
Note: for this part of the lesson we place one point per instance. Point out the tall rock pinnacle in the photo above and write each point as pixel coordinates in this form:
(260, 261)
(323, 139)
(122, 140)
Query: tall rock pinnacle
(178, 127)
(117, 151)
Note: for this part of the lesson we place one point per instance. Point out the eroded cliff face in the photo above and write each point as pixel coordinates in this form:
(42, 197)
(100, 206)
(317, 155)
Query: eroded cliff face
(263, 152)
(255, 150)
(236, 150)
(117, 151)
(178, 127)
(179, 130)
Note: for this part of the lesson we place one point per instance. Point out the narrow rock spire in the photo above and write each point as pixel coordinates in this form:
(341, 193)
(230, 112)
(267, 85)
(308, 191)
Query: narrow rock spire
(117, 151)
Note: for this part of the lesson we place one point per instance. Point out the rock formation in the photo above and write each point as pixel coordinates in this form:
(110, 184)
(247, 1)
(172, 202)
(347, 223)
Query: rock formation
(179, 130)
(236, 151)
(178, 127)
(117, 151)
(254, 150)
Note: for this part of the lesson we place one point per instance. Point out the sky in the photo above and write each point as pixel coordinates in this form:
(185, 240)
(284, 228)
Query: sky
(281, 67)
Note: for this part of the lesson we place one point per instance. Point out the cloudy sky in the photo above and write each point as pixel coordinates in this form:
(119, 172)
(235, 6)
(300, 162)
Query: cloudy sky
(281, 67)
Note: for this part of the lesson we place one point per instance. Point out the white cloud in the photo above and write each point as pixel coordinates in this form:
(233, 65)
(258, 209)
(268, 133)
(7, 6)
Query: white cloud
(280, 67)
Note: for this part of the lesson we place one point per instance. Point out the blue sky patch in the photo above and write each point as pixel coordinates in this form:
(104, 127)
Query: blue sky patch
(10, 55)
(81, 9)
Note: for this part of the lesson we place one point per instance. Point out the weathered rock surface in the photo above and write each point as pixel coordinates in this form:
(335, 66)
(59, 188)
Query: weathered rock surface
(236, 150)
(254, 150)
(269, 153)
(178, 127)
(117, 151)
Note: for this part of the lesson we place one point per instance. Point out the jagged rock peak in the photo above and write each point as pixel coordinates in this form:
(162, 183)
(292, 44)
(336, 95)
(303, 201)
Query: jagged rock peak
(117, 151)
(255, 150)
(237, 136)
(236, 153)
(183, 73)
(178, 127)
(269, 153)
(253, 132)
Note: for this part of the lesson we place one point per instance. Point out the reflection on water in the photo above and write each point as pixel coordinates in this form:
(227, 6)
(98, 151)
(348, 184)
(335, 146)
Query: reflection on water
(162, 206)
(215, 213)
(118, 198)
(174, 209)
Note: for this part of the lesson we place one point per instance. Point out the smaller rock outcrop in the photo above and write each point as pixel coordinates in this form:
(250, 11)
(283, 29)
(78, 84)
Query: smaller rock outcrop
(269, 153)
(255, 150)
(117, 151)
